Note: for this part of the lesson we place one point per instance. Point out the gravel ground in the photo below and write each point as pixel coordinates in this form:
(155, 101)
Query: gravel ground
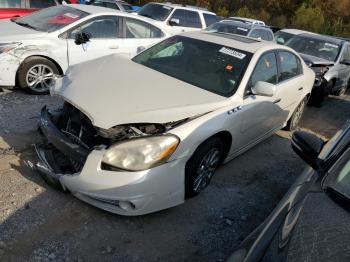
(39, 223)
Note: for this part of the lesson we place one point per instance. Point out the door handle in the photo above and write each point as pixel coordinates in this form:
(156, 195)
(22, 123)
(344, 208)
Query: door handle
(113, 47)
(300, 88)
(277, 101)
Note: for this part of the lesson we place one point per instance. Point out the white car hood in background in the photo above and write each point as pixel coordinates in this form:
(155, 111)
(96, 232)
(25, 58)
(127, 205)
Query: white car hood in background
(114, 90)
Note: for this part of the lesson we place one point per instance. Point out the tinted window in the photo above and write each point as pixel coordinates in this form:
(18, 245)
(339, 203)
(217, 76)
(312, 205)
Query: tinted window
(228, 28)
(41, 3)
(127, 7)
(10, 3)
(156, 11)
(187, 18)
(260, 34)
(283, 37)
(209, 66)
(265, 70)
(106, 27)
(138, 29)
(290, 66)
(210, 19)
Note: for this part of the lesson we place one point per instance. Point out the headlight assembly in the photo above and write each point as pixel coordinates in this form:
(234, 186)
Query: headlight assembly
(8, 47)
(141, 153)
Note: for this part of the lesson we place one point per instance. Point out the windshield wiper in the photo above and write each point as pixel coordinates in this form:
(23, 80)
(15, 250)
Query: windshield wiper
(26, 25)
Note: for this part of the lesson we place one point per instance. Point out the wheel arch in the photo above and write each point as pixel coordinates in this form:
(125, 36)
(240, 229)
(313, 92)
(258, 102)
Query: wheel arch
(60, 70)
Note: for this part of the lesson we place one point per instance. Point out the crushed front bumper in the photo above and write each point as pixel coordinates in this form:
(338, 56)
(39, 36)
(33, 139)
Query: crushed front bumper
(124, 193)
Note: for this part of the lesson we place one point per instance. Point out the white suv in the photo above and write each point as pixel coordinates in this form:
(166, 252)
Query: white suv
(176, 19)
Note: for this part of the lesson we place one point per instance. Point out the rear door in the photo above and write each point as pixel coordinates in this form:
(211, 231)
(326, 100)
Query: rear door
(137, 36)
(12, 8)
(105, 39)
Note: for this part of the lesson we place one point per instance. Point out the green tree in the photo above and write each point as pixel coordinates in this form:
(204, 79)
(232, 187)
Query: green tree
(309, 18)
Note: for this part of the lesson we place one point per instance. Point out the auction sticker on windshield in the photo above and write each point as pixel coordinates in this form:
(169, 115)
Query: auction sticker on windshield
(231, 52)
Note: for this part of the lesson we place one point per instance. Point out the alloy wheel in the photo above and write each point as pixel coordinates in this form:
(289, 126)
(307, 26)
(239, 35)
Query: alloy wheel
(206, 170)
(39, 78)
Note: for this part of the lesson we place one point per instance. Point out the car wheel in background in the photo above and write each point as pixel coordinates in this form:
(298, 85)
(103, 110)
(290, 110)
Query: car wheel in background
(36, 74)
(293, 122)
(341, 91)
(201, 167)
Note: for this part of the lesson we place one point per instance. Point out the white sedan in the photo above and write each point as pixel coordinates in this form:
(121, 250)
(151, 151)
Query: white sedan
(135, 145)
(36, 47)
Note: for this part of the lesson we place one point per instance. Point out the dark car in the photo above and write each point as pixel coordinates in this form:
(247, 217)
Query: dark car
(17, 8)
(329, 57)
(312, 222)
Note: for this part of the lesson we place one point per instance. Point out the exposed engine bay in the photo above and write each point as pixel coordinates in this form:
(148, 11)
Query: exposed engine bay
(70, 126)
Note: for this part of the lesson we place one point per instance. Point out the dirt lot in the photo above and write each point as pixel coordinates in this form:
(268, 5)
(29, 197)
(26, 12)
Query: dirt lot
(41, 224)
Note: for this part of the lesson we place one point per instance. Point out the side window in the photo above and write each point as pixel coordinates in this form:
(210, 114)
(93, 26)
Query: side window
(192, 19)
(346, 53)
(10, 3)
(265, 70)
(139, 29)
(187, 18)
(100, 28)
(290, 66)
(112, 5)
(210, 19)
(259, 34)
(41, 3)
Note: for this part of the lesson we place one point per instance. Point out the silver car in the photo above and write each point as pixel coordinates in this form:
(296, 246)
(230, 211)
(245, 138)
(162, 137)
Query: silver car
(329, 57)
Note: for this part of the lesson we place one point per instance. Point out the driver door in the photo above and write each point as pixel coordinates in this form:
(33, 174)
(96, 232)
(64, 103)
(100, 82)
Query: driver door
(260, 115)
(105, 39)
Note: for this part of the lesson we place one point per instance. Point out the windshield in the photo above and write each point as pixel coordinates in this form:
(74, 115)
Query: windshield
(156, 11)
(283, 37)
(314, 47)
(209, 66)
(227, 28)
(51, 19)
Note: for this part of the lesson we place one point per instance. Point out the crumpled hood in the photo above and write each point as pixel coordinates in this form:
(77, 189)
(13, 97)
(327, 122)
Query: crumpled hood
(114, 90)
(11, 32)
(315, 61)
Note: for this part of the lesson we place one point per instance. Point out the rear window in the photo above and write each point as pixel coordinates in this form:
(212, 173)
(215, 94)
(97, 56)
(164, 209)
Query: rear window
(10, 3)
(228, 28)
(212, 67)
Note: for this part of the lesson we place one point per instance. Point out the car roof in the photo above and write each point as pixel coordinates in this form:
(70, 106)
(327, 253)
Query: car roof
(243, 43)
(330, 39)
(93, 10)
(242, 24)
(187, 7)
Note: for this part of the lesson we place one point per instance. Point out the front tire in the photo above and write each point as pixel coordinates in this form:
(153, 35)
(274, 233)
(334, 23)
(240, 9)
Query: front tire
(202, 166)
(36, 74)
(296, 117)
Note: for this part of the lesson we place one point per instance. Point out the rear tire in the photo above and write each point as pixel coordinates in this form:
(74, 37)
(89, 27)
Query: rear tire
(36, 74)
(202, 166)
(294, 121)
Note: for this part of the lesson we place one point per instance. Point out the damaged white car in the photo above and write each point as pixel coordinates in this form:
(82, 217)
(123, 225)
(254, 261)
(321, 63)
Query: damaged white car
(135, 145)
(36, 47)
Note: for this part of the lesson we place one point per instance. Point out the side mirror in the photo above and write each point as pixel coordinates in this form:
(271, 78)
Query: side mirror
(140, 49)
(174, 22)
(82, 38)
(280, 40)
(308, 146)
(345, 62)
(264, 89)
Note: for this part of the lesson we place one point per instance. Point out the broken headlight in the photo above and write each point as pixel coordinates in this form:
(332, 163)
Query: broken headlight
(141, 153)
(8, 47)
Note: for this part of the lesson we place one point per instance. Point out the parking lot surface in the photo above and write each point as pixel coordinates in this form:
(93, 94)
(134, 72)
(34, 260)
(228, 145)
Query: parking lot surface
(39, 223)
